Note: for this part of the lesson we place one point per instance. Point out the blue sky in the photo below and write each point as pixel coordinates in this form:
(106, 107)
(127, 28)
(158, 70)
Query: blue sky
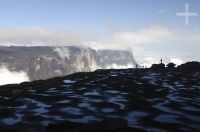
(150, 27)
(95, 14)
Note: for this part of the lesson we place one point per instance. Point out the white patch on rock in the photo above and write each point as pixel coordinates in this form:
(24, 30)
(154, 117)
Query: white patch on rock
(69, 81)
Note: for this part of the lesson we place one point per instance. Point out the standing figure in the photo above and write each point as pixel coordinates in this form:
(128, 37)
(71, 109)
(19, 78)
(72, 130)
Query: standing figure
(161, 60)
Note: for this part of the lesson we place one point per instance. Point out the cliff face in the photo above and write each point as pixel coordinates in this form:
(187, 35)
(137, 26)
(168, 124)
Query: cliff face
(116, 59)
(47, 62)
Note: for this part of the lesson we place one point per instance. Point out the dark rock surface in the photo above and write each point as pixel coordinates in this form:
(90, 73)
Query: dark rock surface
(158, 67)
(190, 66)
(104, 100)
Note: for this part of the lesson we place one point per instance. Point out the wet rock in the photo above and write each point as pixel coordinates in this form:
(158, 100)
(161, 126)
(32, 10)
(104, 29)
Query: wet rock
(151, 100)
(158, 66)
(111, 124)
(189, 66)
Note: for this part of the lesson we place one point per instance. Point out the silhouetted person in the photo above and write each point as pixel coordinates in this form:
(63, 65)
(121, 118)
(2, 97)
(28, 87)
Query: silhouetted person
(160, 66)
(136, 66)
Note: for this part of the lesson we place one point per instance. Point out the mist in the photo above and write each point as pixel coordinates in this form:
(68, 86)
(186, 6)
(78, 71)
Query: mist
(149, 44)
(63, 52)
(11, 77)
(115, 66)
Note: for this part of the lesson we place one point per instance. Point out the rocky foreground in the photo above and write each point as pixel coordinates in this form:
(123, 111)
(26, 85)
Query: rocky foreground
(104, 100)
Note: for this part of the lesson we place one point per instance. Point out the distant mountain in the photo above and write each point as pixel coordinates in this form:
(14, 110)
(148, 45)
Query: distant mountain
(116, 59)
(47, 62)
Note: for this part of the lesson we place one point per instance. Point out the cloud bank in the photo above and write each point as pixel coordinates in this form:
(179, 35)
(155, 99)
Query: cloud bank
(10, 77)
(149, 44)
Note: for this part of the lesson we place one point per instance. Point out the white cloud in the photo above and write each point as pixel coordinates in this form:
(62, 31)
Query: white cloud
(39, 36)
(176, 61)
(153, 42)
(115, 66)
(148, 61)
(35, 36)
(63, 52)
(149, 35)
(10, 77)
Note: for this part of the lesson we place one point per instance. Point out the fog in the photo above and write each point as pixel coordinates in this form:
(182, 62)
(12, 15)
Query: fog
(10, 77)
(149, 44)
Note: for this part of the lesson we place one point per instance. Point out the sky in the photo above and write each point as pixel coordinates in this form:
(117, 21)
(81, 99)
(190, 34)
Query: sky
(150, 28)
